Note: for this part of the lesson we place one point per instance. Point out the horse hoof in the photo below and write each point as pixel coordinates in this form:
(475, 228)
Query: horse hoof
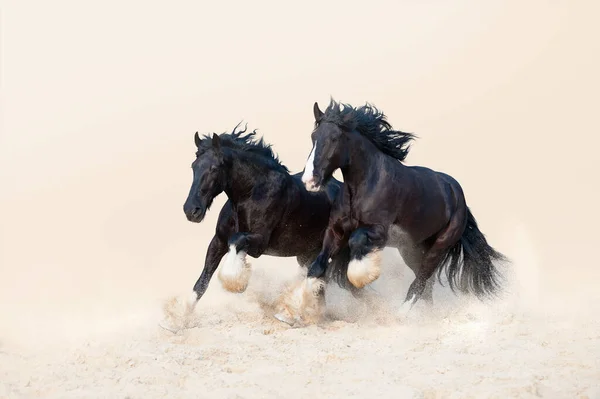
(168, 327)
(406, 307)
(178, 314)
(404, 310)
(285, 319)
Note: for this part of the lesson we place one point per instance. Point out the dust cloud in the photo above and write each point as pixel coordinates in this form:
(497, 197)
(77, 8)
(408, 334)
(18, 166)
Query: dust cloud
(99, 108)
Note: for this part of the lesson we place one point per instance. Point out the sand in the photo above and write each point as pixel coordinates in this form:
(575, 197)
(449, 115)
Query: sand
(517, 347)
(99, 108)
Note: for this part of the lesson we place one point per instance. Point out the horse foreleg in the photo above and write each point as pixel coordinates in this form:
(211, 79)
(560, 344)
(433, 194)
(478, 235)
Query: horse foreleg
(235, 272)
(366, 244)
(177, 318)
(216, 250)
(303, 302)
(332, 243)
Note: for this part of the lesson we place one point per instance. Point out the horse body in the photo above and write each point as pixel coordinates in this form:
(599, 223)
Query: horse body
(301, 227)
(301, 206)
(268, 211)
(426, 193)
(420, 211)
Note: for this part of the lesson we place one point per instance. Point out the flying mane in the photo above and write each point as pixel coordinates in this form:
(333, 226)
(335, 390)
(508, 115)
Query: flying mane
(236, 140)
(372, 124)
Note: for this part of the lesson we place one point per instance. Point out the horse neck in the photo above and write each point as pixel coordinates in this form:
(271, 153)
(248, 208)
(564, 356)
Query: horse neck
(243, 174)
(365, 163)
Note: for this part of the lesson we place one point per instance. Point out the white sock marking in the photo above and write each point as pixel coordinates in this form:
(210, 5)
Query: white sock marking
(406, 306)
(307, 177)
(192, 300)
(234, 273)
(365, 270)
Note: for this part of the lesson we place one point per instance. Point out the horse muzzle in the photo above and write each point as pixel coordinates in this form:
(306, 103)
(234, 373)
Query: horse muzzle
(311, 183)
(196, 214)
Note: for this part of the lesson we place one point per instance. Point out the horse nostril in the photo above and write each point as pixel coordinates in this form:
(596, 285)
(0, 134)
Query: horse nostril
(195, 214)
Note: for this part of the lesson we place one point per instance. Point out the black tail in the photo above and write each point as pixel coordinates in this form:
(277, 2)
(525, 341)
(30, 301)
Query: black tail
(338, 271)
(476, 274)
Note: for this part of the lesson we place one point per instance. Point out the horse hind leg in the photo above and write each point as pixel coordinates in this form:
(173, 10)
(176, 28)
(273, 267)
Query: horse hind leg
(413, 257)
(432, 259)
(427, 295)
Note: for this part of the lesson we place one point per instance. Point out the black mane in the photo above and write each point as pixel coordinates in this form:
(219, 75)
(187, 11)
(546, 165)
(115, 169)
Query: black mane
(372, 124)
(245, 143)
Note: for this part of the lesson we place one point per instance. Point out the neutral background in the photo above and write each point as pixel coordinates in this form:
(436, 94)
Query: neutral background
(100, 102)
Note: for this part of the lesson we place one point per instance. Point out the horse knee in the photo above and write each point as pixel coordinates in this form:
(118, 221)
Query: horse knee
(239, 241)
(358, 243)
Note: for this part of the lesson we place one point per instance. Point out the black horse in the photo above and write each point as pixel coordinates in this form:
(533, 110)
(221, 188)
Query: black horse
(268, 212)
(421, 212)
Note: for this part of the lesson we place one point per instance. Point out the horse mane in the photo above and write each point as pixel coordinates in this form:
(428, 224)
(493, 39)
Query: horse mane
(372, 124)
(244, 142)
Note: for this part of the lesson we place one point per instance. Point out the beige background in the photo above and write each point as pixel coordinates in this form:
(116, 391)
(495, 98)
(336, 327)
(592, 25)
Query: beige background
(100, 102)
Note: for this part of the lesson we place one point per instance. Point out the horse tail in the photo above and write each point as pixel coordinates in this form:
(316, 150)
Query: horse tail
(337, 271)
(476, 274)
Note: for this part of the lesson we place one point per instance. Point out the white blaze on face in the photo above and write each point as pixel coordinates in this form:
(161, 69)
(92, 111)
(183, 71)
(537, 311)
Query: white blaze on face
(307, 177)
(235, 271)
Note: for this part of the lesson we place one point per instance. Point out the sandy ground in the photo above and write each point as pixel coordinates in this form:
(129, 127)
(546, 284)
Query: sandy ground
(99, 107)
(528, 344)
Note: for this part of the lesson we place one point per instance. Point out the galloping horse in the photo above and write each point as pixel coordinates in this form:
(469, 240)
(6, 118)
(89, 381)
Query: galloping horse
(420, 211)
(268, 212)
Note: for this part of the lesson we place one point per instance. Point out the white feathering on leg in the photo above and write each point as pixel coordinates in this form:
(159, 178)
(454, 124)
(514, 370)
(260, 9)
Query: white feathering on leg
(300, 303)
(234, 272)
(365, 270)
(191, 302)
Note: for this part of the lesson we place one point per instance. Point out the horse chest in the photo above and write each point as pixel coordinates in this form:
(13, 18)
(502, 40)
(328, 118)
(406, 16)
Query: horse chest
(244, 222)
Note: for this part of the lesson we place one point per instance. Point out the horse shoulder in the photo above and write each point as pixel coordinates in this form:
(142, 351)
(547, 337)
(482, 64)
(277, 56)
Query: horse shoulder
(226, 221)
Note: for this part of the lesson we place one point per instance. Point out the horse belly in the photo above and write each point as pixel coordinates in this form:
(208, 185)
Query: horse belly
(280, 252)
(297, 237)
(399, 237)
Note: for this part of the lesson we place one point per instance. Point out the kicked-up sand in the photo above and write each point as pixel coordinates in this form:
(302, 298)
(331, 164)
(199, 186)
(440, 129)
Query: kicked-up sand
(99, 107)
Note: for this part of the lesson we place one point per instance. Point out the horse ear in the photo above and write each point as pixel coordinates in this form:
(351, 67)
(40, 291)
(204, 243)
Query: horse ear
(317, 112)
(197, 139)
(216, 142)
